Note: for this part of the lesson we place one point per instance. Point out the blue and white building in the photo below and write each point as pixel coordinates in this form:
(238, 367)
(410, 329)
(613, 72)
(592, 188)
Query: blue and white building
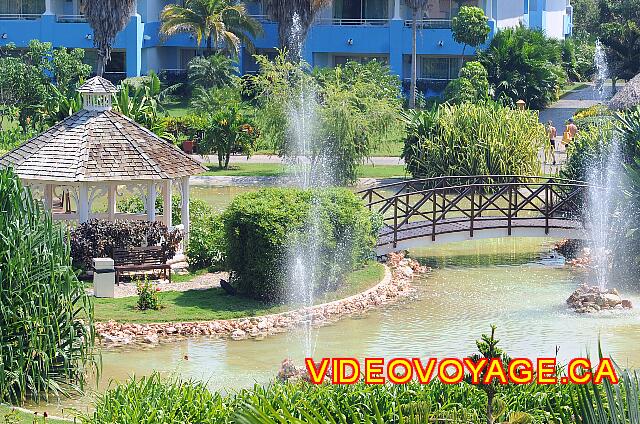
(346, 30)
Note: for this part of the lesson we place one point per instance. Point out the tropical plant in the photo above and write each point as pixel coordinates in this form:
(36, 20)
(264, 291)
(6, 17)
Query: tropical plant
(12, 138)
(262, 226)
(147, 295)
(46, 317)
(213, 71)
(106, 19)
(288, 13)
(417, 9)
(471, 85)
(229, 130)
(473, 139)
(221, 24)
(470, 28)
(211, 100)
(59, 105)
(141, 100)
(523, 65)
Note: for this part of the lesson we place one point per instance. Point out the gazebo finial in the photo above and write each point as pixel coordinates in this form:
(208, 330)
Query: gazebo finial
(96, 93)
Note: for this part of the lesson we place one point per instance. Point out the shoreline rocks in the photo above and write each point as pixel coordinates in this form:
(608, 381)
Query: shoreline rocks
(399, 274)
(590, 299)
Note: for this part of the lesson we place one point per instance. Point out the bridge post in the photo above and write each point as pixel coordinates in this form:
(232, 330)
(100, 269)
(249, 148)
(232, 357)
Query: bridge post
(433, 218)
(510, 209)
(473, 210)
(546, 208)
(395, 222)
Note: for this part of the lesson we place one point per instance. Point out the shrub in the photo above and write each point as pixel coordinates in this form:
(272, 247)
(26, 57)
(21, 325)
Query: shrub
(471, 85)
(147, 295)
(473, 139)
(97, 239)
(524, 64)
(262, 226)
(12, 138)
(585, 149)
(46, 318)
(187, 127)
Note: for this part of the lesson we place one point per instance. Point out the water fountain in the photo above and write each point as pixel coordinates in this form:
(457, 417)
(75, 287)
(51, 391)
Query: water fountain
(604, 176)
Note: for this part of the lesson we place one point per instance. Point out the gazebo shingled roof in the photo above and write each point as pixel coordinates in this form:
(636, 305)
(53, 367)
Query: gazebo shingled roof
(628, 96)
(99, 146)
(95, 151)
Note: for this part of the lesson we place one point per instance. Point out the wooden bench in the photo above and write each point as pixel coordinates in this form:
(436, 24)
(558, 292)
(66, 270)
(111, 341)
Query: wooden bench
(140, 259)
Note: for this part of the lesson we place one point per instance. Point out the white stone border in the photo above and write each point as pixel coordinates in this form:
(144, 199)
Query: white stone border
(399, 273)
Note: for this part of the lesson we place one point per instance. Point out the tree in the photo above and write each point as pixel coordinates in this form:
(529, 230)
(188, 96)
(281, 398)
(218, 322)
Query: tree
(214, 71)
(470, 28)
(417, 8)
(293, 13)
(619, 31)
(471, 85)
(222, 24)
(107, 19)
(229, 130)
(586, 18)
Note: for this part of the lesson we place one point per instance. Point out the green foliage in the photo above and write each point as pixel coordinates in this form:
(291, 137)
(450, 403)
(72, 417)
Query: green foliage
(523, 64)
(141, 100)
(228, 130)
(46, 318)
(187, 127)
(12, 138)
(147, 295)
(25, 86)
(587, 147)
(150, 401)
(471, 85)
(262, 227)
(586, 18)
(470, 27)
(619, 31)
(216, 70)
(473, 139)
(97, 239)
(355, 106)
(221, 24)
(578, 58)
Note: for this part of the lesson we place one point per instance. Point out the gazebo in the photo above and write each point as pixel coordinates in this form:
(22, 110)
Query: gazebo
(98, 153)
(628, 96)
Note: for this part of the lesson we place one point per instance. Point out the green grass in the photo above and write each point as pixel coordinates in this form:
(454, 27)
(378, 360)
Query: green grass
(9, 416)
(278, 170)
(570, 87)
(212, 304)
(178, 109)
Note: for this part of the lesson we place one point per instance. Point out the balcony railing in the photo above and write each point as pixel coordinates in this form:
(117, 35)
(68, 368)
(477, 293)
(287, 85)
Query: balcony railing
(262, 18)
(19, 16)
(430, 23)
(71, 19)
(350, 22)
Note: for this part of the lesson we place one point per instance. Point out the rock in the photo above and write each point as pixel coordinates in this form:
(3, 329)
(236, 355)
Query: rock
(150, 339)
(171, 330)
(238, 334)
(612, 300)
(589, 299)
(626, 304)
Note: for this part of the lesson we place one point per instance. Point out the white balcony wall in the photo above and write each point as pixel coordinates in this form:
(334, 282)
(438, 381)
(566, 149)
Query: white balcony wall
(509, 13)
(554, 18)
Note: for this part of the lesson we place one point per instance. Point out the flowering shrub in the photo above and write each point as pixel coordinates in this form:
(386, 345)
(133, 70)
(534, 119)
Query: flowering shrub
(147, 295)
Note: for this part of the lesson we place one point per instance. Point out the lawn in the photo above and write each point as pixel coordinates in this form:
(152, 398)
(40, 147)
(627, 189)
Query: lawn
(278, 170)
(8, 415)
(212, 304)
(571, 87)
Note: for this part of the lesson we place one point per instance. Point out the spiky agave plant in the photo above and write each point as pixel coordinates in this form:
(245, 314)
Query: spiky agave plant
(107, 19)
(46, 327)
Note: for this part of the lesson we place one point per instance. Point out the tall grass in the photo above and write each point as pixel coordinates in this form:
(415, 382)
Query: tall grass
(46, 328)
(473, 139)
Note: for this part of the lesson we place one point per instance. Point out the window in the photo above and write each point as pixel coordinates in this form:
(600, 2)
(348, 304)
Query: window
(342, 60)
(21, 7)
(360, 9)
(440, 68)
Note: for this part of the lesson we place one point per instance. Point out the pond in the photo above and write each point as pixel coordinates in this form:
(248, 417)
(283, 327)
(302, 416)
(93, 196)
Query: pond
(473, 285)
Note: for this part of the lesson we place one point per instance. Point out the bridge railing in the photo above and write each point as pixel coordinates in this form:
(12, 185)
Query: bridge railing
(434, 206)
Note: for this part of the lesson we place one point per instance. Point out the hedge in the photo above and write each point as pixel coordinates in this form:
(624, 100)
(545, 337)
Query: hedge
(264, 226)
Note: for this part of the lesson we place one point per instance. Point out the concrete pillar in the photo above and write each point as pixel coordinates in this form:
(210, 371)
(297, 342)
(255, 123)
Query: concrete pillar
(134, 37)
(47, 7)
(166, 193)
(396, 28)
(396, 10)
(83, 203)
(151, 201)
(111, 202)
(185, 206)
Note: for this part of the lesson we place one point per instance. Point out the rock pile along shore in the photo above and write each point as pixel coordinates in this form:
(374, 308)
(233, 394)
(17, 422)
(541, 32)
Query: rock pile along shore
(592, 299)
(400, 272)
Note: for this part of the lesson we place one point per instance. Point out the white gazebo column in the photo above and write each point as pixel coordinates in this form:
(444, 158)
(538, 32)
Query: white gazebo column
(151, 201)
(396, 9)
(111, 201)
(83, 203)
(166, 206)
(48, 197)
(185, 206)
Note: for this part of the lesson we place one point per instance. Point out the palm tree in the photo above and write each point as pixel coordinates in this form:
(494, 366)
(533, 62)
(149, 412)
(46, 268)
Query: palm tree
(221, 23)
(107, 19)
(417, 7)
(284, 12)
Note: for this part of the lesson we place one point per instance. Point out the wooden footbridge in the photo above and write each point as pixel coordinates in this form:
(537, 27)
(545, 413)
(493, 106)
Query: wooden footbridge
(445, 209)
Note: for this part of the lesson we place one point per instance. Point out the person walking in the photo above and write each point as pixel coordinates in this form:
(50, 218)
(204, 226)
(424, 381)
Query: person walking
(552, 132)
(570, 132)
